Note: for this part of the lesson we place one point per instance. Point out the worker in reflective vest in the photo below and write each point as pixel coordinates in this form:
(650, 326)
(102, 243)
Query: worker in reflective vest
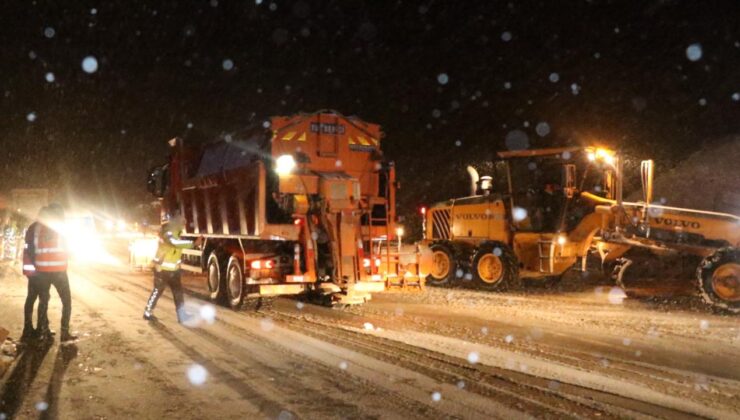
(167, 266)
(38, 286)
(45, 264)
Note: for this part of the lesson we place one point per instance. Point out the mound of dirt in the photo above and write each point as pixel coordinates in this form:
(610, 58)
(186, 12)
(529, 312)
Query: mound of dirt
(707, 180)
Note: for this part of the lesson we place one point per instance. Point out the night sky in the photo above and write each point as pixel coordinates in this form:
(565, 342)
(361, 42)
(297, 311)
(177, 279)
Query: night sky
(448, 81)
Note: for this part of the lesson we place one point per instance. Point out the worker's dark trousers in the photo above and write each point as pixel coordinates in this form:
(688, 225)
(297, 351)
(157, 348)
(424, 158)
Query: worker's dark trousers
(38, 288)
(60, 281)
(163, 279)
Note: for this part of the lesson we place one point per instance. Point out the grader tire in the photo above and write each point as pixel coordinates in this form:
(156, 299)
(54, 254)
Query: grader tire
(495, 268)
(444, 265)
(719, 279)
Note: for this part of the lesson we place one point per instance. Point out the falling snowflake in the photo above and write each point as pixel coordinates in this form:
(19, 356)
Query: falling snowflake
(49, 32)
(208, 313)
(227, 64)
(459, 273)
(484, 330)
(442, 78)
(509, 338)
(616, 296)
(626, 341)
(49, 77)
(436, 396)
(507, 85)
(554, 77)
(31, 117)
(343, 365)
(565, 155)
(267, 324)
(519, 214)
(542, 129)
(694, 52)
(299, 305)
(90, 64)
(704, 324)
(506, 36)
(458, 143)
(497, 251)
(516, 140)
(368, 326)
(702, 102)
(575, 89)
(42, 406)
(436, 113)
(473, 357)
(197, 374)
(460, 384)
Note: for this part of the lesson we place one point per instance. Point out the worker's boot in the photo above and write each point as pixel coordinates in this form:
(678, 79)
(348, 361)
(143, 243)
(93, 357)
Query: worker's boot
(66, 337)
(28, 333)
(45, 334)
(151, 304)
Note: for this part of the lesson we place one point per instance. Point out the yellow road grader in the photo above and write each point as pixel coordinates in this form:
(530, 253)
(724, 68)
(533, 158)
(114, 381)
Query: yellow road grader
(545, 211)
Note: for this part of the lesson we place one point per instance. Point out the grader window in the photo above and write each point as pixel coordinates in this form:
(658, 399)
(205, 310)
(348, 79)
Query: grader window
(537, 189)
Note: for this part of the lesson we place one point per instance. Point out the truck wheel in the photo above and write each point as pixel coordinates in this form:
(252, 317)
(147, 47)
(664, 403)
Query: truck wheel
(495, 267)
(216, 275)
(719, 279)
(443, 265)
(234, 283)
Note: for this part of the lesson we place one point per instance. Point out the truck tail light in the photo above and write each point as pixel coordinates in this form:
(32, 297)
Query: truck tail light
(377, 262)
(366, 262)
(260, 264)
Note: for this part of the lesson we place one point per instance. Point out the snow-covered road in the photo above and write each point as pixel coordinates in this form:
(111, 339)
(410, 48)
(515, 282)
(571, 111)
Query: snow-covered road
(441, 353)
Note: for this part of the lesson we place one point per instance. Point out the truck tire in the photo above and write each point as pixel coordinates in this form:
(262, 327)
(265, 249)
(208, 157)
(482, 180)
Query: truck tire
(216, 274)
(444, 265)
(719, 279)
(495, 268)
(234, 283)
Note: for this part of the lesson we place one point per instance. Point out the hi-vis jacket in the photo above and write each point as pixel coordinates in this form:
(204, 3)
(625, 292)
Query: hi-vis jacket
(44, 251)
(169, 251)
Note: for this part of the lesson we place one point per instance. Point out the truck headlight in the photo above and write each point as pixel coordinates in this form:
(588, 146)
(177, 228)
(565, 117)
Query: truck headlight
(284, 164)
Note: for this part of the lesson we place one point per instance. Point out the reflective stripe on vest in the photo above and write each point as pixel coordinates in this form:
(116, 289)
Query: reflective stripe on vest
(49, 251)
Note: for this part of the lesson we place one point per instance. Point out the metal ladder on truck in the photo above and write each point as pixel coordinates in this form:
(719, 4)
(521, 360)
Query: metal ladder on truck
(398, 275)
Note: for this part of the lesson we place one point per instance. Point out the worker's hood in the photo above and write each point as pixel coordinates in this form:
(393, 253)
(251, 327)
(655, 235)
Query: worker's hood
(174, 226)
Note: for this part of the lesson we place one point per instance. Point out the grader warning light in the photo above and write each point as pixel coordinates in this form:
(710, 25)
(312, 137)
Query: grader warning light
(602, 154)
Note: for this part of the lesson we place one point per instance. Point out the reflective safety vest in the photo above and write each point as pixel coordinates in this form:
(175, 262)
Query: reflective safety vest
(47, 252)
(169, 251)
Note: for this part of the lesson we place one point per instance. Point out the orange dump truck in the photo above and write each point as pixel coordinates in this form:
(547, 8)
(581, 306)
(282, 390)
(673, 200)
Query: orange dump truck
(292, 206)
